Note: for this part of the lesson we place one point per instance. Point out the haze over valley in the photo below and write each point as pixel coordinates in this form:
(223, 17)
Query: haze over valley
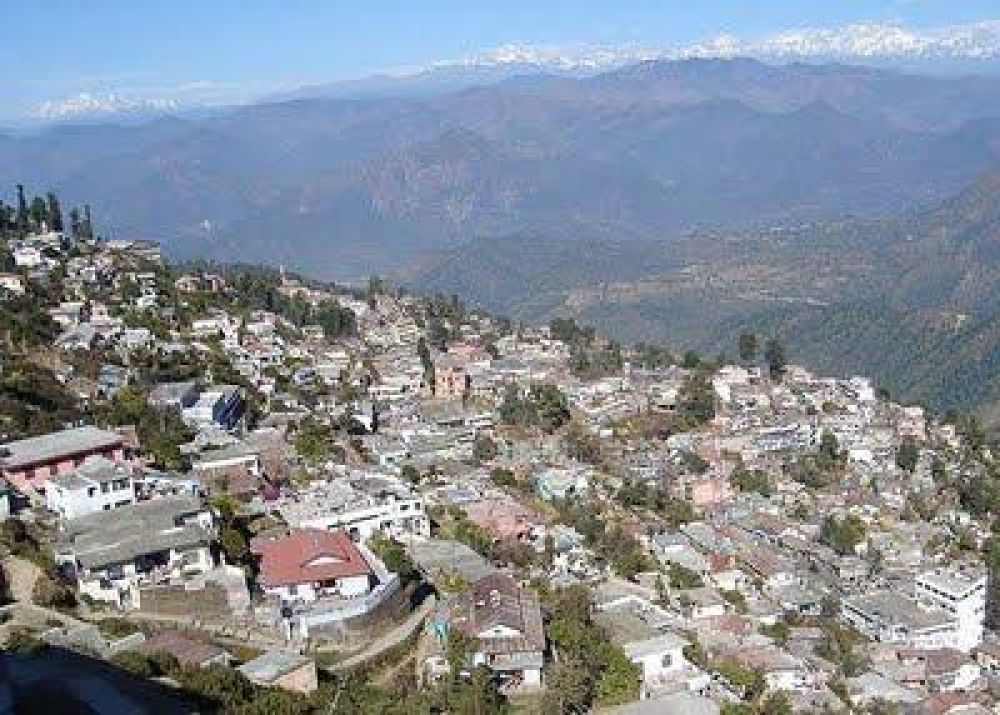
(676, 200)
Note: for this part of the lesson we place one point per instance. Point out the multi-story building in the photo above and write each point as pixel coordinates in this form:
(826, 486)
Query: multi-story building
(960, 593)
(220, 405)
(98, 484)
(115, 554)
(361, 505)
(893, 618)
(948, 611)
(451, 379)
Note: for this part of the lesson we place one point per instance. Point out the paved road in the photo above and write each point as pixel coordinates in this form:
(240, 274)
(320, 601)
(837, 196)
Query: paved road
(390, 640)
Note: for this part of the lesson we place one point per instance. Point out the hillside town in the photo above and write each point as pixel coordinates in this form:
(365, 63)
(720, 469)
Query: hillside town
(357, 499)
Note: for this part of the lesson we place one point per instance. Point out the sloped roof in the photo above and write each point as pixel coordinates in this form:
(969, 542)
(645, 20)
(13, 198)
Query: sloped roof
(309, 555)
(498, 600)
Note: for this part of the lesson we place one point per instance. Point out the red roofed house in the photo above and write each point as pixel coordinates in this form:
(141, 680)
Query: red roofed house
(310, 563)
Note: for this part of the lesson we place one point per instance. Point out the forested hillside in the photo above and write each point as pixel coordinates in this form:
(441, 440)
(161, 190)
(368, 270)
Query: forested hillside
(911, 300)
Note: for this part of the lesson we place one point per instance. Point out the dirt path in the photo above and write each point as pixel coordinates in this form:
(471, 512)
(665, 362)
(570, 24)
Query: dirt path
(22, 575)
(391, 639)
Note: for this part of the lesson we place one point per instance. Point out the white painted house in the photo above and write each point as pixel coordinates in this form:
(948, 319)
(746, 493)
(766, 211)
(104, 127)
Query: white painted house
(114, 554)
(309, 564)
(660, 660)
(961, 594)
(98, 484)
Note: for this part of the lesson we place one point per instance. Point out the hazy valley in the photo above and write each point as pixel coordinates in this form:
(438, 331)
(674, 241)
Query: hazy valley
(677, 201)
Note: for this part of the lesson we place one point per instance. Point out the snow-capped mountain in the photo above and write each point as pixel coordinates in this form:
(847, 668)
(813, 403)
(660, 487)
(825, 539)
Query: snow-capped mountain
(858, 42)
(975, 46)
(87, 105)
(977, 41)
(958, 46)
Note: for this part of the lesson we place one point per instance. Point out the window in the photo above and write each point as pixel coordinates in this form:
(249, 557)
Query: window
(667, 661)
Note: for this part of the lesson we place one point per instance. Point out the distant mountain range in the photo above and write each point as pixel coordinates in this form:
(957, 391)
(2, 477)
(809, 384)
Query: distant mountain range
(970, 48)
(343, 187)
(87, 104)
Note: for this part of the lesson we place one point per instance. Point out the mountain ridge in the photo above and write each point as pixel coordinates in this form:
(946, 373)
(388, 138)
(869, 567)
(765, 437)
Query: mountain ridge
(334, 179)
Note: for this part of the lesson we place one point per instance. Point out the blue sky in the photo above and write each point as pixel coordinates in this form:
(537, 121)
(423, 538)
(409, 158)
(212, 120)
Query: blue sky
(227, 50)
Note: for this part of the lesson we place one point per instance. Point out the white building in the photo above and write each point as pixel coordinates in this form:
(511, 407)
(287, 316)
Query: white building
(220, 405)
(361, 505)
(962, 594)
(309, 564)
(660, 660)
(115, 554)
(237, 457)
(28, 256)
(948, 612)
(98, 484)
(135, 338)
(11, 283)
(639, 628)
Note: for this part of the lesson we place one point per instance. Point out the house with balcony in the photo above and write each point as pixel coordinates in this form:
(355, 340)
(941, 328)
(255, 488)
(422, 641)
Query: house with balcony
(361, 504)
(113, 554)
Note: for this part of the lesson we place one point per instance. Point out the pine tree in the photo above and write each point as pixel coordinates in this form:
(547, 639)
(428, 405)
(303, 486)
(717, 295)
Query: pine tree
(774, 354)
(6, 218)
(748, 347)
(39, 213)
(88, 227)
(74, 223)
(55, 219)
(21, 217)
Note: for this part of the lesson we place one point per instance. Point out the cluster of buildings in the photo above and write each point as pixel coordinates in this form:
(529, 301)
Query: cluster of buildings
(389, 433)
